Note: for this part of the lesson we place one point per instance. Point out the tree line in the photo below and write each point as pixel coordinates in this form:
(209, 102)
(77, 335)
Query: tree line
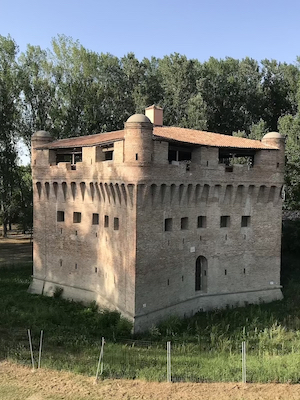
(70, 91)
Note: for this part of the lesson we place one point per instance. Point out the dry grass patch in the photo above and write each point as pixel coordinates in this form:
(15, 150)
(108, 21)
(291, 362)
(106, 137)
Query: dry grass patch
(19, 382)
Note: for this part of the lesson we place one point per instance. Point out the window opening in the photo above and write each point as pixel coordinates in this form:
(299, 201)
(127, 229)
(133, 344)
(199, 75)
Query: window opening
(201, 274)
(224, 221)
(179, 153)
(77, 217)
(106, 221)
(245, 221)
(168, 224)
(116, 224)
(95, 219)
(184, 223)
(60, 217)
(72, 156)
(231, 157)
(201, 222)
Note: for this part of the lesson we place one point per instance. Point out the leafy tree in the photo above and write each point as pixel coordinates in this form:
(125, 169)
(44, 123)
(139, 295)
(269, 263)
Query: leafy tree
(9, 124)
(290, 127)
(37, 101)
(279, 87)
(178, 77)
(231, 90)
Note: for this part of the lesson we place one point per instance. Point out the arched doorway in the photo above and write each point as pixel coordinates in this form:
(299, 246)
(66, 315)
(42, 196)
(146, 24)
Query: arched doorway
(201, 274)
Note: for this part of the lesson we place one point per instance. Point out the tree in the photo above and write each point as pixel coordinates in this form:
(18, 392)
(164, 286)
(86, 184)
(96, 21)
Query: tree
(231, 90)
(37, 101)
(9, 125)
(279, 87)
(289, 126)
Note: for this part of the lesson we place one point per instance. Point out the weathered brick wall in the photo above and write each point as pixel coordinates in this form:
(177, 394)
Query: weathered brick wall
(133, 264)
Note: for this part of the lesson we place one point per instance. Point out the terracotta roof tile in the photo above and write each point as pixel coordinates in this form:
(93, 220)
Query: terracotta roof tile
(207, 138)
(85, 141)
(170, 133)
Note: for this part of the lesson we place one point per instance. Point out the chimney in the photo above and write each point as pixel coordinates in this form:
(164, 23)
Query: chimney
(155, 114)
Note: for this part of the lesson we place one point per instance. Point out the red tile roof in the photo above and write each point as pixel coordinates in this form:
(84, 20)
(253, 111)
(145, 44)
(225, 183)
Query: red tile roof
(169, 133)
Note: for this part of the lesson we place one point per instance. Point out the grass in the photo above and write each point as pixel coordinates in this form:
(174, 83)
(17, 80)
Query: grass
(205, 348)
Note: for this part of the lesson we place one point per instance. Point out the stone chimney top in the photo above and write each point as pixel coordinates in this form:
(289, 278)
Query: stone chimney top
(155, 114)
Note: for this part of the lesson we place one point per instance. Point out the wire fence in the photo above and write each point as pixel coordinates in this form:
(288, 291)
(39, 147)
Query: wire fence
(171, 362)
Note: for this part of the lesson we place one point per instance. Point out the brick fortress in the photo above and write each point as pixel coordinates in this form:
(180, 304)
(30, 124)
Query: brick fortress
(154, 221)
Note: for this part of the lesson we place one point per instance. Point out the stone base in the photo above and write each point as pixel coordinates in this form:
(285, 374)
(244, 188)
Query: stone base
(206, 302)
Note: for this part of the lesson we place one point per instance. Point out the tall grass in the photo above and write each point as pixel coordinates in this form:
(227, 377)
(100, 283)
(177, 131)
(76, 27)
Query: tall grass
(205, 348)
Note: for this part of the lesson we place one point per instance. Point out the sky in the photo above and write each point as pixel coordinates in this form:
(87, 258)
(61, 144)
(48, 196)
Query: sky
(196, 28)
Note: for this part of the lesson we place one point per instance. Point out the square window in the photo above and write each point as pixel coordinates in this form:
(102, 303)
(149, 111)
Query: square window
(77, 217)
(95, 219)
(60, 216)
(201, 223)
(168, 224)
(184, 223)
(106, 221)
(116, 224)
(245, 221)
(224, 221)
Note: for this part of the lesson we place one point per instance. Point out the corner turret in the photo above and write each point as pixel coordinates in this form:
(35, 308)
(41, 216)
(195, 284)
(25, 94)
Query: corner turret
(138, 140)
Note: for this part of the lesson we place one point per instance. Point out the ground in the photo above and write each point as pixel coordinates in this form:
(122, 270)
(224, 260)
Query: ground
(21, 383)
(15, 249)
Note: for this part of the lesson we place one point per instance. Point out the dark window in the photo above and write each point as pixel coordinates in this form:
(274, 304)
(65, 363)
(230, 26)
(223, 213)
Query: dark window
(224, 221)
(201, 223)
(201, 274)
(106, 221)
(245, 221)
(76, 217)
(179, 153)
(60, 216)
(168, 224)
(116, 224)
(109, 155)
(184, 223)
(95, 219)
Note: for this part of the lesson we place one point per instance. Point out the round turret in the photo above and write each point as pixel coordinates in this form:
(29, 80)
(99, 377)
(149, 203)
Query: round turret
(39, 138)
(138, 139)
(273, 135)
(42, 134)
(138, 118)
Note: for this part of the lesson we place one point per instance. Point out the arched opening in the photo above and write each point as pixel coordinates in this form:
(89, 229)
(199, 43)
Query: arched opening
(201, 274)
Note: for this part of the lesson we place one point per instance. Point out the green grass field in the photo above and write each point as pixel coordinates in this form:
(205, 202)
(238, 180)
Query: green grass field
(205, 348)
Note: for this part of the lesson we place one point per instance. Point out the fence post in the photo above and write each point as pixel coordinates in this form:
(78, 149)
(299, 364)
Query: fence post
(244, 378)
(169, 374)
(31, 351)
(100, 361)
(40, 349)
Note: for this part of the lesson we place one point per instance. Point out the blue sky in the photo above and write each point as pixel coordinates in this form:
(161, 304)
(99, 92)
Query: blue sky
(197, 28)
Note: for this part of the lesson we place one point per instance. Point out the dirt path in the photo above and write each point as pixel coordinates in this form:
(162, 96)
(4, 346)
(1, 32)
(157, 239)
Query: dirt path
(15, 249)
(20, 383)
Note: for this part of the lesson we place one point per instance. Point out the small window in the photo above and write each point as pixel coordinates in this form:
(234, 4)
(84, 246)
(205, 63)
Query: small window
(76, 217)
(201, 223)
(168, 224)
(245, 221)
(109, 155)
(184, 223)
(116, 224)
(106, 221)
(60, 216)
(95, 219)
(224, 221)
